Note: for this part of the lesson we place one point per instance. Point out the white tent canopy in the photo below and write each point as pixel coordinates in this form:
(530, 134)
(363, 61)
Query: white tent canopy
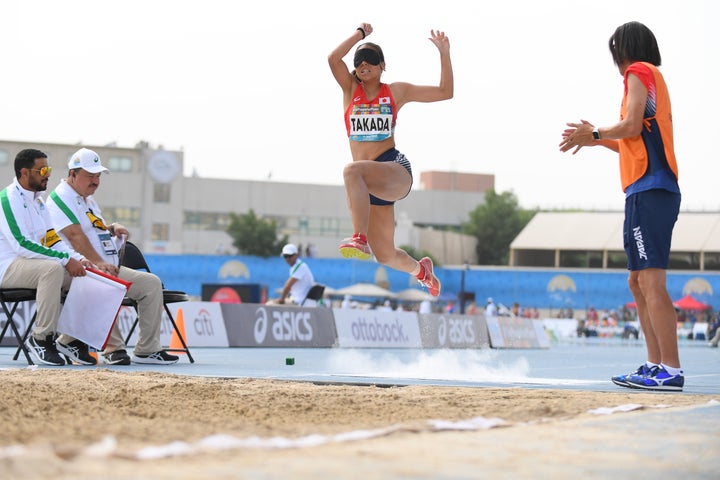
(365, 290)
(414, 295)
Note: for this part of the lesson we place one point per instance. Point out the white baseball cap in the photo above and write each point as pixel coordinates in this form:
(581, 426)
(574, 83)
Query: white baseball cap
(87, 160)
(289, 249)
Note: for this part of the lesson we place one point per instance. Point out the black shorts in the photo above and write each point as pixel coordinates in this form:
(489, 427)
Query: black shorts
(392, 155)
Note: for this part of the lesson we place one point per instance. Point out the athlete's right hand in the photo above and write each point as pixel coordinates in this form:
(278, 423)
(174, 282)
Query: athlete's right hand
(367, 28)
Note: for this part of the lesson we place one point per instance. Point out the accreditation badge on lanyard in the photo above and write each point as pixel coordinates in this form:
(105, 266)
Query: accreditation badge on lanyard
(104, 235)
(107, 244)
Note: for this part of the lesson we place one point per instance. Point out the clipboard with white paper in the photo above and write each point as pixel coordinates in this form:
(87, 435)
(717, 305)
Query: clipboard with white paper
(91, 307)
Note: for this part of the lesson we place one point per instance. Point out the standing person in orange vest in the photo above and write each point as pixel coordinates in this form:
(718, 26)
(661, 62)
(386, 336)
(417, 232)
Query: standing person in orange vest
(649, 175)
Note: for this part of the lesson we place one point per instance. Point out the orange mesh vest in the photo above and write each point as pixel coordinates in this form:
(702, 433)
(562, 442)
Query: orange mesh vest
(655, 143)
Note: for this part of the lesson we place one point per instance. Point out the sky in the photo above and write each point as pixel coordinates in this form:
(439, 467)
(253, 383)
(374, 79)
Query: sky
(244, 89)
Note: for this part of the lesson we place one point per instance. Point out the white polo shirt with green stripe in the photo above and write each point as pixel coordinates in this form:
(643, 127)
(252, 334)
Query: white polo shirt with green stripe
(26, 230)
(67, 207)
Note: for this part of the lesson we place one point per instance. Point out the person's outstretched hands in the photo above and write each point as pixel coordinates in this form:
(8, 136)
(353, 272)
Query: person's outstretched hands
(440, 40)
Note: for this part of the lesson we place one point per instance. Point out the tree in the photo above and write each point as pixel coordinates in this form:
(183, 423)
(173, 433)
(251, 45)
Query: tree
(253, 235)
(418, 254)
(495, 225)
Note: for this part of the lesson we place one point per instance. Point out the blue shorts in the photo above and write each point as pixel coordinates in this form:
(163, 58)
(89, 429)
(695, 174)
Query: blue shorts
(647, 232)
(392, 155)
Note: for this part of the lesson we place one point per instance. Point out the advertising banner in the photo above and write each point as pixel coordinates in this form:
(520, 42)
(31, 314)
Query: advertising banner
(257, 325)
(374, 328)
(448, 330)
(201, 322)
(516, 332)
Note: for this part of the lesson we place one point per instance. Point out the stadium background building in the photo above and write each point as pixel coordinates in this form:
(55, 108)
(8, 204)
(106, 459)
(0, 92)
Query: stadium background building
(560, 260)
(167, 212)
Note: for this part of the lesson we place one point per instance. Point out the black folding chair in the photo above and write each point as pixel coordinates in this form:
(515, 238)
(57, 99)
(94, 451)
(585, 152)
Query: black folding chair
(10, 299)
(132, 257)
(315, 293)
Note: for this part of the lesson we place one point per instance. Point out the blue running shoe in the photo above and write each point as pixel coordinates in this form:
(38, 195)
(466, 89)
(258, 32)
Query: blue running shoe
(657, 379)
(621, 380)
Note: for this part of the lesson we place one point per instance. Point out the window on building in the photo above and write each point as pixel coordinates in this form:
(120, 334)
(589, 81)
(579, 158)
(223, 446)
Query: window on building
(684, 261)
(323, 226)
(120, 164)
(534, 258)
(581, 259)
(617, 259)
(160, 232)
(206, 221)
(161, 192)
(4, 157)
(712, 261)
(127, 216)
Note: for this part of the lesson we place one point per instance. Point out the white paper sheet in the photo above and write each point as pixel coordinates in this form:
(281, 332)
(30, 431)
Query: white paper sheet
(91, 306)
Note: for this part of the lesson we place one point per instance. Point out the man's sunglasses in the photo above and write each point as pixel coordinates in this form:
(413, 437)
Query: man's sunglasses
(44, 171)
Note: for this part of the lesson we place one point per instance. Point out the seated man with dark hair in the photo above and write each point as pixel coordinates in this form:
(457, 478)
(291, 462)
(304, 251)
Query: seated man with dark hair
(33, 256)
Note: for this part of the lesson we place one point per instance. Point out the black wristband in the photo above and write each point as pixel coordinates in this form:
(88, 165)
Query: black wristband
(362, 30)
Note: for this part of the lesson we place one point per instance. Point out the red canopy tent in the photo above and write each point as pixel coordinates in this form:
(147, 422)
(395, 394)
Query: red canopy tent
(688, 302)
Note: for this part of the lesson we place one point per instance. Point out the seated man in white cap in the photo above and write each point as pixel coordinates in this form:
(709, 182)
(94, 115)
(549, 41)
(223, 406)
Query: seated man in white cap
(78, 220)
(299, 281)
(491, 309)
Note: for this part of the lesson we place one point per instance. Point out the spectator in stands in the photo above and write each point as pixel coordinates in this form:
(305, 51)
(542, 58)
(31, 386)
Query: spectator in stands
(490, 308)
(592, 314)
(471, 309)
(713, 331)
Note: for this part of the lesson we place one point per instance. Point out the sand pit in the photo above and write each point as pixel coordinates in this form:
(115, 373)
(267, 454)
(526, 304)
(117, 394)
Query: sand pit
(58, 423)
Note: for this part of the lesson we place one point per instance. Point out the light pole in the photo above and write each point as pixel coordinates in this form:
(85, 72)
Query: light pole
(462, 288)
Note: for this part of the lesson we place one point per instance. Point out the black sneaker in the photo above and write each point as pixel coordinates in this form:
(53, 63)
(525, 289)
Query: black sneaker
(118, 357)
(156, 358)
(76, 351)
(44, 351)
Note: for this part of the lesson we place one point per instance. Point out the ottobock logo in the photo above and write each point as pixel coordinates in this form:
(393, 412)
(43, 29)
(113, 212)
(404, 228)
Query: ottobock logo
(457, 330)
(376, 331)
(284, 325)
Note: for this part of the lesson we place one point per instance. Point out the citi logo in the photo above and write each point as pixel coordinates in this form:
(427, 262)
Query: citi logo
(637, 233)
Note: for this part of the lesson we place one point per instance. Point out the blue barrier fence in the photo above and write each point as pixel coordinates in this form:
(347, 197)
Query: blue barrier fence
(540, 288)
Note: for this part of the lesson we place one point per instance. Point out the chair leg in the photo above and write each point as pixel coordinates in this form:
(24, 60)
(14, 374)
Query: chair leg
(132, 329)
(20, 339)
(180, 336)
(2, 334)
(21, 343)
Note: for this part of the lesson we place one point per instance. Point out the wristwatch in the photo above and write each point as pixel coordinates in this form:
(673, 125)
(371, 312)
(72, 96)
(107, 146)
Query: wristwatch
(596, 133)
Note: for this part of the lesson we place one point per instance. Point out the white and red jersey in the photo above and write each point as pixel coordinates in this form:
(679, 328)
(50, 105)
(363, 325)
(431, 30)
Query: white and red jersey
(371, 120)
